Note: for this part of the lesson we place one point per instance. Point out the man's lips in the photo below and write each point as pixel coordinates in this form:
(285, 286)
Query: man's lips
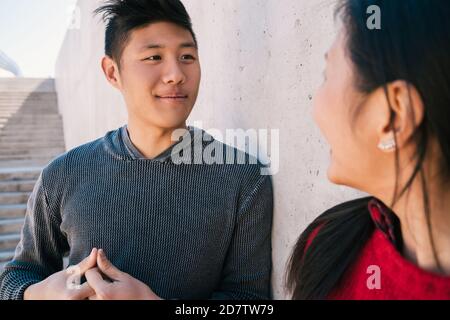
(172, 96)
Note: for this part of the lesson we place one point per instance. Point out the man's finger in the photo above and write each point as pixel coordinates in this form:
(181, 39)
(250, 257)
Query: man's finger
(88, 262)
(106, 266)
(95, 280)
(84, 291)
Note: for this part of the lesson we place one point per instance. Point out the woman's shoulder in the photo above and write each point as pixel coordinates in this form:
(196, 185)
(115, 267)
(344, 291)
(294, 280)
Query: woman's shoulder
(336, 216)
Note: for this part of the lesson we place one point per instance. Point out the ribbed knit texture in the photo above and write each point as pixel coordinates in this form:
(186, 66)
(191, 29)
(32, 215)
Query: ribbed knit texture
(189, 231)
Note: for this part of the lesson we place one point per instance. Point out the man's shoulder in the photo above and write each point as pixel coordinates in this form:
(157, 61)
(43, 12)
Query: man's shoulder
(215, 151)
(77, 156)
(238, 167)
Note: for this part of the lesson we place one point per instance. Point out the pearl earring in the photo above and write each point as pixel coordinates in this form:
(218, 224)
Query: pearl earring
(387, 145)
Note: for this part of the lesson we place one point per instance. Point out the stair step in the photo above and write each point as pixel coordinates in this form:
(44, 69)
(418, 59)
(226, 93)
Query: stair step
(17, 105)
(37, 157)
(21, 85)
(4, 95)
(27, 95)
(19, 173)
(35, 132)
(13, 104)
(9, 241)
(27, 85)
(38, 124)
(12, 210)
(29, 105)
(6, 256)
(31, 146)
(41, 126)
(20, 101)
(37, 116)
(28, 110)
(39, 152)
(31, 139)
(45, 98)
(34, 122)
(27, 113)
(28, 101)
(13, 225)
(30, 118)
(14, 197)
(29, 133)
(17, 185)
(14, 100)
(33, 163)
(31, 152)
(39, 160)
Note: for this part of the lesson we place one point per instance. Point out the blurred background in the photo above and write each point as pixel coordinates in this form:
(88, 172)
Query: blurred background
(31, 34)
(261, 63)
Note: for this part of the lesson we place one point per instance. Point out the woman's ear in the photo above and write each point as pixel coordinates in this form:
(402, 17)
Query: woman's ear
(111, 71)
(407, 109)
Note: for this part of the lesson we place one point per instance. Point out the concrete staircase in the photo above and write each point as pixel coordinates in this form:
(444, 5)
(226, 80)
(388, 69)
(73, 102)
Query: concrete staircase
(31, 135)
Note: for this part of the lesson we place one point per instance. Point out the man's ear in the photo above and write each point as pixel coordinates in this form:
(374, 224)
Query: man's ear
(408, 112)
(111, 71)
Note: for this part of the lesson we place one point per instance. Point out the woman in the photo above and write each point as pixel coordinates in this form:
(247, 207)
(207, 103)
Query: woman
(384, 108)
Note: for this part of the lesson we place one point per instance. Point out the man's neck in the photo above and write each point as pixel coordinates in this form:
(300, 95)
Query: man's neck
(151, 141)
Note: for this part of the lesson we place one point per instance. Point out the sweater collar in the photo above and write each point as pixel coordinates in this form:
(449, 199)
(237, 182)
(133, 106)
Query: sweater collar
(164, 156)
(387, 222)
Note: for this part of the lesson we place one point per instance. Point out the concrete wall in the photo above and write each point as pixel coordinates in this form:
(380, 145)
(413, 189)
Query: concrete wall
(88, 104)
(261, 62)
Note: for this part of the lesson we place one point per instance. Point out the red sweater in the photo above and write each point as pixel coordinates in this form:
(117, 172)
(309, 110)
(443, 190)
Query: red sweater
(381, 272)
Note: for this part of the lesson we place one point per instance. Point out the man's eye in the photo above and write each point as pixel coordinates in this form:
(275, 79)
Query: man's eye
(187, 57)
(154, 58)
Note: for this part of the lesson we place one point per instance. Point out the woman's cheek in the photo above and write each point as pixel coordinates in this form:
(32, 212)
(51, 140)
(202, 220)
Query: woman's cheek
(320, 108)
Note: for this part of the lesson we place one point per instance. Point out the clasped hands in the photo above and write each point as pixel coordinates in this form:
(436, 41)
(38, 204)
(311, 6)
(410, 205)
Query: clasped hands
(104, 282)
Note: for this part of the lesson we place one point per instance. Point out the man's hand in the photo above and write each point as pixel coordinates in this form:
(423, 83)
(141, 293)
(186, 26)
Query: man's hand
(121, 287)
(64, 285)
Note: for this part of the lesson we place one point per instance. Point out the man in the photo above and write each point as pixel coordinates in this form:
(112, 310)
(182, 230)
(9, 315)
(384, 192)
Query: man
(135, 223)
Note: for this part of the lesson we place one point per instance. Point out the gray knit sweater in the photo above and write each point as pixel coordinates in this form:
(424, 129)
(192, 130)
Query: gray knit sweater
(189, 231)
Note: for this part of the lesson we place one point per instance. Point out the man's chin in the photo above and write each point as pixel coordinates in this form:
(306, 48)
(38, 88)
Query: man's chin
(168, 124)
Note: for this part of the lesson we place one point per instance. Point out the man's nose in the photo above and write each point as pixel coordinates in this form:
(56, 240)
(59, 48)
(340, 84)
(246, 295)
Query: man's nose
(173, 74)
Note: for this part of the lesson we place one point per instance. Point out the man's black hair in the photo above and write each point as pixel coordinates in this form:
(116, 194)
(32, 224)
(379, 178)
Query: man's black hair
(123, 16)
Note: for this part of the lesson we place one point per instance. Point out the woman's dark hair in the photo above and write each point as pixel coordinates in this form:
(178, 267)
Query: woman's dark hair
(413, 45)
(123, 16)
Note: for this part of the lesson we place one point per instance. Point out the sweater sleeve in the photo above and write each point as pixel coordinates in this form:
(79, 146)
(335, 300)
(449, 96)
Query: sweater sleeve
(40, 250)
(247, 269)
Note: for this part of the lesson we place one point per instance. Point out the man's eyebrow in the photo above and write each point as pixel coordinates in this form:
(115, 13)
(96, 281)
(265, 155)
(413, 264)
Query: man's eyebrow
(153, 46)
(160, 46)
(188, 45)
